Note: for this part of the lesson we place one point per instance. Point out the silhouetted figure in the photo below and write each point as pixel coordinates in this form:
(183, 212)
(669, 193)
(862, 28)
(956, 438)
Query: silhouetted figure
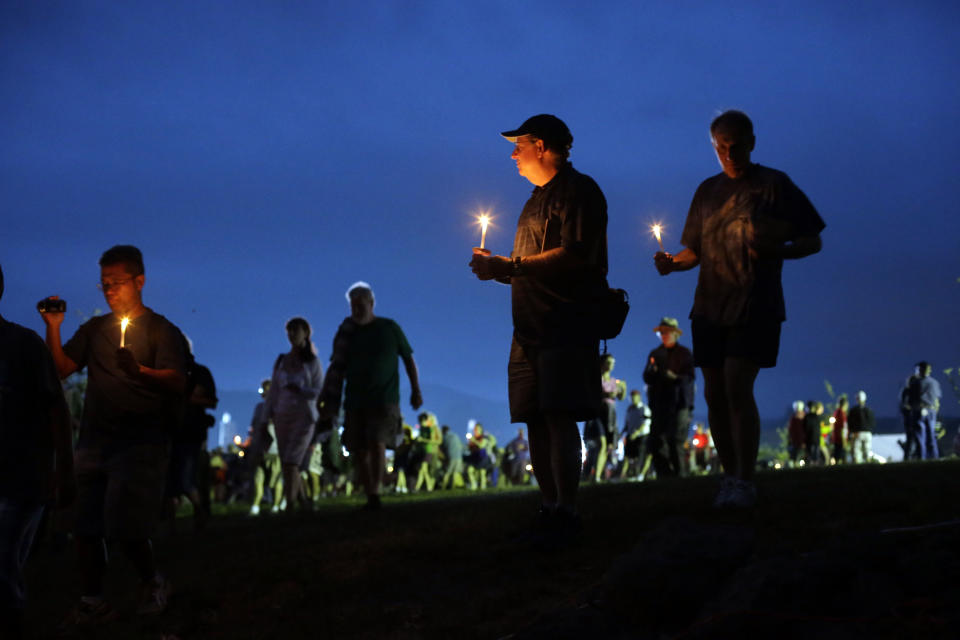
(669, 375)
(556, 271)
(134, 396)
(36, 459)
(742, 224)
(840, 430)
(516, 458)
(189, 439)
(636, 432)
(291, 404)
(923, 396)
(365, 351)
(451, 449)
(861, 423)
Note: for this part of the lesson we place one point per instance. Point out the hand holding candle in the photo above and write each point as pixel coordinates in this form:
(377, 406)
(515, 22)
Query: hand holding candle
(123, 331)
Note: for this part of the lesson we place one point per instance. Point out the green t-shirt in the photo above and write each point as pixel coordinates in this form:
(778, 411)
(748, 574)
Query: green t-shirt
(373, 379)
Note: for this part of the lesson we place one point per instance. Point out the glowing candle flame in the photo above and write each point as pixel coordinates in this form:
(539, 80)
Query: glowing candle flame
(484, 221)
(656, 234)
(123, 331)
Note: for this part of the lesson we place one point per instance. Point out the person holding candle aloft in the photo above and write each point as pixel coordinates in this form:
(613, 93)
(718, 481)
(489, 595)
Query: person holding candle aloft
(133, 398)
(556, 271)
(742, 224)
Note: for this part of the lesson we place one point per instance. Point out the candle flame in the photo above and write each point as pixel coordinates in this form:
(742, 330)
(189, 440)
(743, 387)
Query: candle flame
(656, 232)
(123, 324)
(484, 220)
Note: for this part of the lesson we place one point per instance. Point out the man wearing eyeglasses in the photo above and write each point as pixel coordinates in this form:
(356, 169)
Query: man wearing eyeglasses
(133, 395)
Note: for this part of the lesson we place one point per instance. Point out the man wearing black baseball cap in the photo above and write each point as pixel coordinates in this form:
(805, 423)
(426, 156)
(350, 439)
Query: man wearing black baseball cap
(556, 271)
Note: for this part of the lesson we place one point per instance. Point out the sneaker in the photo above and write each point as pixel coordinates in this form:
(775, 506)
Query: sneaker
(539, 528)
(89, 614)
(743, 495)
(155, 596)
(254, 510)
(722, 499)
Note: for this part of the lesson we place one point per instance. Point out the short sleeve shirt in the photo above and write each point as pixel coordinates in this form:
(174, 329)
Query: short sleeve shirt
(726, 219)
(117, 408)
(29, 388)
(372, 375)
(570, 211)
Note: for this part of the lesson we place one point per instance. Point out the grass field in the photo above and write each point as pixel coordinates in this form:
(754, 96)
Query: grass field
(443, 566)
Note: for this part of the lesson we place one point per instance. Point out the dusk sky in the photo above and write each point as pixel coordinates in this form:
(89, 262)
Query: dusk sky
(266, 155)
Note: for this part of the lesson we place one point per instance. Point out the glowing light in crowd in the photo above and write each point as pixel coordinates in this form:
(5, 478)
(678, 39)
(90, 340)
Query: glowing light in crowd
(123, 331)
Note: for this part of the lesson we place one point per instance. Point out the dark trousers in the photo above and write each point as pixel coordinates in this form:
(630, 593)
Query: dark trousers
(668, 433)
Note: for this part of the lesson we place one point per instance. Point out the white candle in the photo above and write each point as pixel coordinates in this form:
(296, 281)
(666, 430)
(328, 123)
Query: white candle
(656, 234)
(123, 331)
(484, 221)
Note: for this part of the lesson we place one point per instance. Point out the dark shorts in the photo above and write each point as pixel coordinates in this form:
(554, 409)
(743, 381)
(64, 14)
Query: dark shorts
(554, 379)
(367, 427)
(119, 496)
(758, 342)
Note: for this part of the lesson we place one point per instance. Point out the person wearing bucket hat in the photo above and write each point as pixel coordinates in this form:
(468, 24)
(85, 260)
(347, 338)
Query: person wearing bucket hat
(670, 376)
(742, 224)
(556, 271)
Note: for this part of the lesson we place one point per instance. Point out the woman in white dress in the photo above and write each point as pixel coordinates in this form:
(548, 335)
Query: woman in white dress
(292, 404)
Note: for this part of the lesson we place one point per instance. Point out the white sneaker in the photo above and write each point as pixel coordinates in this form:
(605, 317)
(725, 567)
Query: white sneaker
(254, 510)
(722, 499)
(154, 597)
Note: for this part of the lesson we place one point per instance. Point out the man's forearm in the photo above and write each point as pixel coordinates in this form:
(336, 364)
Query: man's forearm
(411, 366)
(685, 260)
(65, 366)
(169, 379)
(554, 261)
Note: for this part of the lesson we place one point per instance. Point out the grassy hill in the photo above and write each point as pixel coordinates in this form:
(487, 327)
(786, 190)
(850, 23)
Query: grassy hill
(811, 561)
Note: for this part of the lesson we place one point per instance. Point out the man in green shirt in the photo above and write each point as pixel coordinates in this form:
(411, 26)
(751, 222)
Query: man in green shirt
(365, 352)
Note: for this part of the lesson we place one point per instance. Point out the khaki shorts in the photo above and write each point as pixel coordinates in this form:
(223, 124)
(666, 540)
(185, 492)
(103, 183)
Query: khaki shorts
(119, 496)
(369, 426)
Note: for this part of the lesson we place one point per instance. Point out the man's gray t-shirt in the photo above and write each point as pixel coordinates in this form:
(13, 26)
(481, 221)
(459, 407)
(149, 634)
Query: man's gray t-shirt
(727, 218)
(117, 408)
(29, 388)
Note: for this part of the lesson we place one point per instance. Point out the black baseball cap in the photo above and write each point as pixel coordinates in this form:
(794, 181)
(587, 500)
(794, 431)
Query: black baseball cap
(546, 127)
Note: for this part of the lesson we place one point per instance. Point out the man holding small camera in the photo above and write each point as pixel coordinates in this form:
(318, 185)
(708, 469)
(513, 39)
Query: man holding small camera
(136, 378)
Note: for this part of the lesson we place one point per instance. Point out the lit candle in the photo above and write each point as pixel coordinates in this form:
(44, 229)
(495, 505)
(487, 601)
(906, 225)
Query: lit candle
(123, 331)
(484, 221)
(656, 234)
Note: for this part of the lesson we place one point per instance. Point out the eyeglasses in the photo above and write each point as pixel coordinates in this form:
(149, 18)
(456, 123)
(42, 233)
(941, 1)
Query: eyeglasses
(106, 286)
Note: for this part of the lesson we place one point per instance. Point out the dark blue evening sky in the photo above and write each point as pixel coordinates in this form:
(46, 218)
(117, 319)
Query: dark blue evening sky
(266, 155)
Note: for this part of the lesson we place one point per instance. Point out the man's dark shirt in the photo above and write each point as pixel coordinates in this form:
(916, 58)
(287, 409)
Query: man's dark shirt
(29, 388)
(727, 218)
(860, 418)
(570, 212)
(120, 410)
(666, 395)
